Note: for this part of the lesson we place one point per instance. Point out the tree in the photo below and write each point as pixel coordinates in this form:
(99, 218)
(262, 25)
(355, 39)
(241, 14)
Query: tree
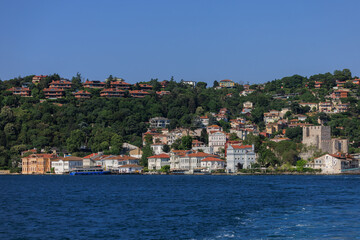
(294, 133)
(148, 139)
(300, 164)
(234, 137)
(76, 81)
(216, 84)
(147, 152)
(186, 142)
(165, 169)
(204, 137)
(166, 148)
(116, 144)
(201, 85)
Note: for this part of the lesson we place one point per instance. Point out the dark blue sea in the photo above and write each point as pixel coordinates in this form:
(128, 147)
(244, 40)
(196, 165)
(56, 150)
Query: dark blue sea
(180, 207)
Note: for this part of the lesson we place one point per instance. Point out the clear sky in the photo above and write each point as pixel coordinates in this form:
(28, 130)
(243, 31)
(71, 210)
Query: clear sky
(246, 41)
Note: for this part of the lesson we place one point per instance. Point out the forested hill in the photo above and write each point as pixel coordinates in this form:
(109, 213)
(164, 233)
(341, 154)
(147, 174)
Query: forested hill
(95, 124)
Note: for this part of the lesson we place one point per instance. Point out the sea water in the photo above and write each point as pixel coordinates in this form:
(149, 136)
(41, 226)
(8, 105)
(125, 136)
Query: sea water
(180, 207)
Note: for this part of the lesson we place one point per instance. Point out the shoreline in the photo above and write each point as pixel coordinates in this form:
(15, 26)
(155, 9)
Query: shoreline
(200, 174)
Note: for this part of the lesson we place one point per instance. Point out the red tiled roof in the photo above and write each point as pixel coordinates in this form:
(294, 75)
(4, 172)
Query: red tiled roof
(131, 165)
(160, 156)
(82, 92)
(91, 155)
(53, 90)
(198, 154)
(212, 159)
(214, 126)
(241, 146)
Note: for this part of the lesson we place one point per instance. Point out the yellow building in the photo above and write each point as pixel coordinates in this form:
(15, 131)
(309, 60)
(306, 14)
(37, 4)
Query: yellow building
(227, 83)
(37, 163)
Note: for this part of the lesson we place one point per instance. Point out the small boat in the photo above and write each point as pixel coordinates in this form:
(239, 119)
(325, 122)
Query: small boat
(89, 171)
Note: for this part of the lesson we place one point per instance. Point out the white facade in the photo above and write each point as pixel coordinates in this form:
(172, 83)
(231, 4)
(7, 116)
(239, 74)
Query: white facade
(217, 140)
(158, 161)
(130, 168)
(159, 122)
(212, 164)
(157, 148)
(67, 164)
(240, 156)
(332, 164)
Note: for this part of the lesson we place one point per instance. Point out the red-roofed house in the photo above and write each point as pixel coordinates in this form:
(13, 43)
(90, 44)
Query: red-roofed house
(145, 87)
(37, 79)
(212, 164)
(54, 93)
(112, 92)
(138, 93)
(21, 91)
(82, 94)
(61, 84)
(192, 162)
(158, 161)
(341, 93)
(162, 93)
(240, 157)
(356, 81)
(94, 84)
(197, 143)
(120, 84)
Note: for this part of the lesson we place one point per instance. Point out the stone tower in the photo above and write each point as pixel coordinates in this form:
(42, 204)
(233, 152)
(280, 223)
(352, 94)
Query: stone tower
(320, 137)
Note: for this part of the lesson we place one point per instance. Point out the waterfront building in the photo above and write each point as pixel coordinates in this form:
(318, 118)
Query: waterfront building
(240, 157)
(156, 162)
(63, 165)
(89, 160)
(334, 163)
(130, 168)
(37, 163)
(212, 164)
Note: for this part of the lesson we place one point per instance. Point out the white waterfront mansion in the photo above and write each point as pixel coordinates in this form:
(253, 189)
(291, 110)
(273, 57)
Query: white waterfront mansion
(240, 156)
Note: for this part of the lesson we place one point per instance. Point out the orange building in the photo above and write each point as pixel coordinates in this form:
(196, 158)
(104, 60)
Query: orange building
(54, 93)
(37, 163)
(21, 91)
(61, 84)
(37, 79)
(82, 94)
(112, 92)
(94, 84)
(342, 93)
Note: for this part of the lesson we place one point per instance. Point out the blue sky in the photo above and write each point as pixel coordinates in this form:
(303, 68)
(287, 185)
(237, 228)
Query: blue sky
(246, 41)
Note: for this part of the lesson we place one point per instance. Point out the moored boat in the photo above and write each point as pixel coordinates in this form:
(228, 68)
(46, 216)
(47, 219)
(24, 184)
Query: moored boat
(89, 171)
